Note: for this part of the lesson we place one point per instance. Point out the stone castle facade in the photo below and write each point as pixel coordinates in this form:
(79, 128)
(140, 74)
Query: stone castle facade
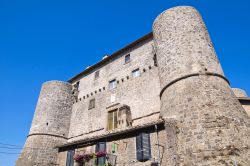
(161, 100)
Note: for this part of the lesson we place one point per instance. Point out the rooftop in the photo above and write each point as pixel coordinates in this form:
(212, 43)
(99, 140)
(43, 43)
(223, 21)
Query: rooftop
(108, 58)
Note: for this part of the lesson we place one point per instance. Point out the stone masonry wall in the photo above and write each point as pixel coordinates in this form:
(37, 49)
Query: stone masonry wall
(126, 151)
(205, 123)
(246, 106)
(243, 98)
(50, 125)
(239, 92)
(141, 94)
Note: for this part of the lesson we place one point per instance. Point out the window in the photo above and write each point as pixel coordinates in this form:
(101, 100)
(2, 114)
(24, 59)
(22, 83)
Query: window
(127, 58)
(112, 120)
(155, 60)
(100, 147)
(75, 88)
(76, 85)
(91, 103)
(143, 149)
(136, 73)
(97, 74)
(70, 160)
(112, 84)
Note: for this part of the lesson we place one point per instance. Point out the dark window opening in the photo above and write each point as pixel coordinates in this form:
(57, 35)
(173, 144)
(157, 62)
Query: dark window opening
(155, 60)
(127, 58)
(76, 85)
(100, 90)
(97, 74)
(143, 148)
(149, 67)
(91, 103)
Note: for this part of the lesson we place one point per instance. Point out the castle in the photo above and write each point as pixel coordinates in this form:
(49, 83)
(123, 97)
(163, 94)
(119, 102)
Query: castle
(161, 100)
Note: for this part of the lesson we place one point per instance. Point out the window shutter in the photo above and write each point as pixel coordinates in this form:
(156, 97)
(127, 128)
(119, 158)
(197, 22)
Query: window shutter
(143, 149)
(146, 146)
(70, 160)
(139, 153)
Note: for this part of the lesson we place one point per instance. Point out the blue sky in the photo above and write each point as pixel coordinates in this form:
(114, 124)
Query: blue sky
(45, 40)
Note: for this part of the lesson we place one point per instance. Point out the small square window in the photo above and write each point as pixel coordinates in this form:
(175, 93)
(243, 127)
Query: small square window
(91, 103)
(136, 73)
(112, 84)
(127, 58)
(97, 74)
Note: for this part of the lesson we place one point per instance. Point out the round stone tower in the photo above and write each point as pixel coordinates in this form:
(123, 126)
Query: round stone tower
(50, 125)
(204, 121)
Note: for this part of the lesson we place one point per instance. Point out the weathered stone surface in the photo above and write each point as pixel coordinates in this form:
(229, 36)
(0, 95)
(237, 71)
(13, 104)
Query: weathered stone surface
(49, 126)
(239, 92)
(213, 126)
(181, 82)
(140, 93)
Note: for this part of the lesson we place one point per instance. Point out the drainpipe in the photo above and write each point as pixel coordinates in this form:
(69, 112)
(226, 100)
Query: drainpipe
(157, 138)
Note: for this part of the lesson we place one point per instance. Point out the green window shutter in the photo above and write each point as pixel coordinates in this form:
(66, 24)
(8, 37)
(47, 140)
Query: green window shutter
(114, 147)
